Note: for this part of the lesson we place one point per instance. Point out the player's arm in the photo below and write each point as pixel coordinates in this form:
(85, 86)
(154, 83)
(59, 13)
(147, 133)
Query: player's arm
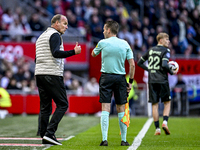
(55, 43)
(166, 66)
(141, 64)
(165, 61)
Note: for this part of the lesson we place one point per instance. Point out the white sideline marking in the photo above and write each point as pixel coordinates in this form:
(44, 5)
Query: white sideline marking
(35, 145)
(68, 138)
(16, 144)
(138, 139)
(24, 138)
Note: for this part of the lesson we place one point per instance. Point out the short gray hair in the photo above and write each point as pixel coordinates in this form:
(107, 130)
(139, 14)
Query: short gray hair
(56, 18)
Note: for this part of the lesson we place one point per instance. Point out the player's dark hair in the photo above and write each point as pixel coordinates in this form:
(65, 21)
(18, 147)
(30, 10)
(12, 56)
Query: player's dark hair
(113, 26)
(161, 36)
(56, 18)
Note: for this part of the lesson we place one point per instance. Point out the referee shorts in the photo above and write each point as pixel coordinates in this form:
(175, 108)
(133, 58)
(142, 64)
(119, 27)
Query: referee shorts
(157, 91)
(113, 83)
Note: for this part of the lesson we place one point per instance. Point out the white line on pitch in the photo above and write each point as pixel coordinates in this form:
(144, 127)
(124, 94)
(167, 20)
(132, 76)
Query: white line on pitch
(68, 138)
(138, 139)
(35, 145)
(17, 138)
(16, 144)
(25, 138)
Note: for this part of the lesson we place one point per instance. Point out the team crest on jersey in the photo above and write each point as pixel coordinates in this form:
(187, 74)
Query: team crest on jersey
(168, 55)
(150, 52)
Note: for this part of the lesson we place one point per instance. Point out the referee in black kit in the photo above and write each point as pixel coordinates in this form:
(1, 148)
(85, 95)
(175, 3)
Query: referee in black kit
(49, 69)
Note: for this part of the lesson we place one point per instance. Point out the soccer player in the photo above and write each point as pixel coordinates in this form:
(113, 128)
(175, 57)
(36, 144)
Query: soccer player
(114, 52)
(158, 70)
(49, 68)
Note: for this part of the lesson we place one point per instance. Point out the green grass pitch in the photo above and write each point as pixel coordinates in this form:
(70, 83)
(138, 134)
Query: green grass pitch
(185, 133)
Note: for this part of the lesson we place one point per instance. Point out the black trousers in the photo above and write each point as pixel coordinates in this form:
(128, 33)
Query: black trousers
(51, 87)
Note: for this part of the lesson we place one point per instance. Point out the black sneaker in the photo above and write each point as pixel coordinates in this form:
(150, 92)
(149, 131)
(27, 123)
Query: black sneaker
(51, 139)
(125, 143)
(104, 143)
(46, 143)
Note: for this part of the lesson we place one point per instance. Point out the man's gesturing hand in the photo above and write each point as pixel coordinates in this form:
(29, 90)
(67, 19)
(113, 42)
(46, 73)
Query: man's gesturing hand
(77, 48)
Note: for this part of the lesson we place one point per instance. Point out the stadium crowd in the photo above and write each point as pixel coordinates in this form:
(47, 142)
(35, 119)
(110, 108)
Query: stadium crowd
(140, 21)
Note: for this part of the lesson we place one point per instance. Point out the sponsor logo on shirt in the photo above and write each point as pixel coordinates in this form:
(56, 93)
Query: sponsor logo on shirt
(151, 52)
